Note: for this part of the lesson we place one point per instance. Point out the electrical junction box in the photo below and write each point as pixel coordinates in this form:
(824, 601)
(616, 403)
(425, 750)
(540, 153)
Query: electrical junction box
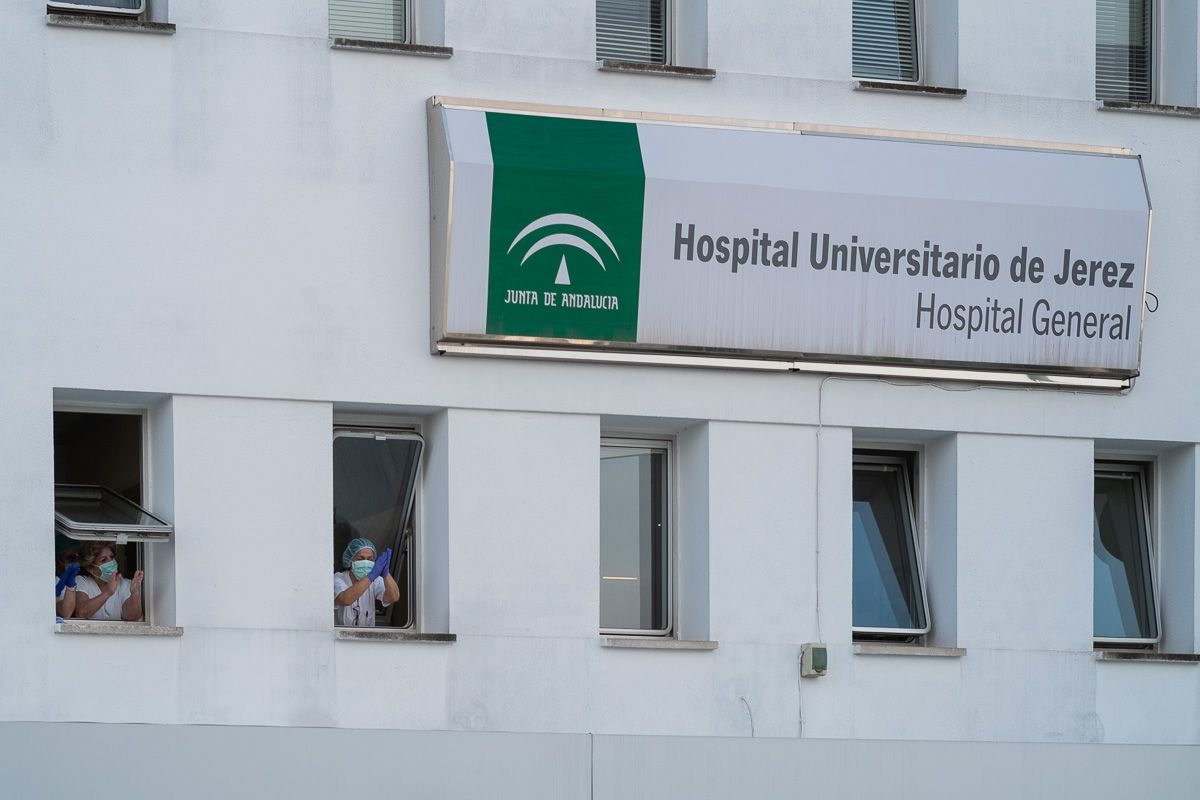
(814, 660)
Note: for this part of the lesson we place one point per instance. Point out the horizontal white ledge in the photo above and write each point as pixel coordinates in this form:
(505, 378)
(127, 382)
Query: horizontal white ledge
(911, 372)
(385, 635)
(116, 628)
(908, 650)
(656, 643)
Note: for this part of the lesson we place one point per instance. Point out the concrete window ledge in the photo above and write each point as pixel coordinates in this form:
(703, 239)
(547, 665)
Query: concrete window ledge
(1150, 108)
(666, 70)
(1147, 656)
(426, 50)
(656, 643)
(908, 650)
(103, 23)
(116, 628)
(909, 88)
(386, 635)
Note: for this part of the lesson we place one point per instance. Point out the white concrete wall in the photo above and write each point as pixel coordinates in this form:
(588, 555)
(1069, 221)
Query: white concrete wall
(232, 221)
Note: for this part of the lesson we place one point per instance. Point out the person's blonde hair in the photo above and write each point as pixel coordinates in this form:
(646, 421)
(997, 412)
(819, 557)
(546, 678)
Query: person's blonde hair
(89, 551)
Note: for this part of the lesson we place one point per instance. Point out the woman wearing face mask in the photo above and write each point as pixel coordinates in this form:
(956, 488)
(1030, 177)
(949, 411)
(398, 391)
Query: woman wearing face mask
(364, 581)
(101, 591)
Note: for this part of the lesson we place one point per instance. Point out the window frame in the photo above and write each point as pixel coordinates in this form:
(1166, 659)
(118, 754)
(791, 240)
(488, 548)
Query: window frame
(1145, 481)
(145, 554)
(410, 25)
(1154, 68)
(667, 445)
(907, 463)
(670, 58)
(86, 7)
(395, 430)
(919, 49)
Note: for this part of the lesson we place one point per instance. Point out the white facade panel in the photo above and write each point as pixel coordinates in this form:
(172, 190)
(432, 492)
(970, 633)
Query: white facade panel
(227, 229)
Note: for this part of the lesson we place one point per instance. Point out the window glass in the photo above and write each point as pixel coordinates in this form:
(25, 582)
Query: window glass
(888, 592)
(634, 563)
(369, 20)
(1123, 585)
(98, 493)
(632, 30)
(97, 513)
(1123, 50)
(885, 39)
(374, 482)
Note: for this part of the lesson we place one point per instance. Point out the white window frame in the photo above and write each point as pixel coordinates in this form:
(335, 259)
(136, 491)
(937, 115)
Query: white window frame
(396, 429)
(907, 461)
(634, 441)
(1144, 471)
(670, 57)
(410, 23)
(145, 554)
(919, 49)
(91, 8)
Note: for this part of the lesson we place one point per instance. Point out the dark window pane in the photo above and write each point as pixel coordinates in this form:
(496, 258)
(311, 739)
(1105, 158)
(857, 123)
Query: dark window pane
(887, 589)
(884, 42)
(374, 479)
(1123, 50)
(633, 543)
(631, 30)
(1122, 584)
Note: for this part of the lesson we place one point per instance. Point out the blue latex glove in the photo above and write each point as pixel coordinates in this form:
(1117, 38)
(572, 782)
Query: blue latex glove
(67, 579)
(381, 565)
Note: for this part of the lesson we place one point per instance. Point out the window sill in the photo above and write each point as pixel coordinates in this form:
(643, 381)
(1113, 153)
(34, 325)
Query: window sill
(1149, 108)
(908, 650)
(656, 643)
(103, 23)
(666, 70)
(1147, 656)
(909, 88)
(116, 629)
(426, 50)
(385, 635)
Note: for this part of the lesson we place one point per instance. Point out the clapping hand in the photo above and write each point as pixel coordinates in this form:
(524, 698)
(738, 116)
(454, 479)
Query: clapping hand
(136, 586)
(381, 566)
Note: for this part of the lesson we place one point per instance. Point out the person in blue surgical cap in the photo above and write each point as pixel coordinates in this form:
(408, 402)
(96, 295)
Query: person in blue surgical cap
(364, 581)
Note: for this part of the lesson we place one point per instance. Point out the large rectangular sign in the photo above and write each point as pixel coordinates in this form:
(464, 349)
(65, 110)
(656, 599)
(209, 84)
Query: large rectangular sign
(580, 232)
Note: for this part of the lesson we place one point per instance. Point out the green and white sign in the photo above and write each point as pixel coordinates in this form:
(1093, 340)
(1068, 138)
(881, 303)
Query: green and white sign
(584, 232)
(566, 228)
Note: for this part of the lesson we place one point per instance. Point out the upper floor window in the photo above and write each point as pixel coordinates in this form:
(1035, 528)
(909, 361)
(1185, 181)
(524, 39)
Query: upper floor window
(125, 8)
(635, 544)
(888, 581)
(101, 529)
(1124, 50)
(1125, 607)
(633, 30)
(371, 20)
(375, 475)
(885, 40)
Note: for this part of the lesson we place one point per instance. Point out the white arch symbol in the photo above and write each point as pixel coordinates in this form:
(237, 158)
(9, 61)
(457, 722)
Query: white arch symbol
(565, 238)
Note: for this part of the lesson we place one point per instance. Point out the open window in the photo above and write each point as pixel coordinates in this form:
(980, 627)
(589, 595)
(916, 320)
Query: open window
(98, 500)
(889, 600)
(1125, 607)
(386, 21)
(375, 474)
(635, 537)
